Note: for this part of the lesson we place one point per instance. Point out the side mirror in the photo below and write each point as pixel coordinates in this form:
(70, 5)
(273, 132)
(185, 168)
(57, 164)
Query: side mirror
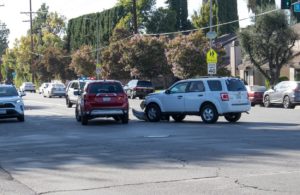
(76, 92)
(167, 91)
(22, 93)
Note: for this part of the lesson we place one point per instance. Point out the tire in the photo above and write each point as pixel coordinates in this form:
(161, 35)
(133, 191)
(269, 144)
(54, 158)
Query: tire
(84, 119)
(153, 113)
(232, 118)
(21, 118)
(77, 116)
(131, 95)
(267, 102)
(209, 114)
(252, 104)
(287, 103)
(116, 118)
(178, 117)
(69, 104)
(125, 119)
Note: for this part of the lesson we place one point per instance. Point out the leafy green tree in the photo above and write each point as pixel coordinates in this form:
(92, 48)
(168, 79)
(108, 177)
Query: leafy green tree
(161, 21)
(144, 9)
(187, 55)
(201, 20)
(83, 63)
(145, 57)
(256, 5)
(269, 41)
(181, 9)
(113, 66)
(227, 12)
(4, 32)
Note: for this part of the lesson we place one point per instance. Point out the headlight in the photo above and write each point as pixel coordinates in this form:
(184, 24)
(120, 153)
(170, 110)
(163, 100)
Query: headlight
(18, 101)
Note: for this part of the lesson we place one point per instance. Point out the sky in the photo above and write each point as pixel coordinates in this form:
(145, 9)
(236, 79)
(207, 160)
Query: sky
(11, 15)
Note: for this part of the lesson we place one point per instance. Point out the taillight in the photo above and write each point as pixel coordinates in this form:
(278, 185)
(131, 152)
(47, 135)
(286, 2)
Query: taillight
(224, 96)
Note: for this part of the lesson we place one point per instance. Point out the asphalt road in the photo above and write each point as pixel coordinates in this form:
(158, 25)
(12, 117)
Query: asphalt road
(51, 153)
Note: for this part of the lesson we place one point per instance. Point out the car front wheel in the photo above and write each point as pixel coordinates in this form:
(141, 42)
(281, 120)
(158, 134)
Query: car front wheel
(84, 119)
(69, 104)
(287, 103)
(232, 118)
(267, 102)
(21, 118)
(153, 113)
(77, 115)
(209, 114)
(125, 118)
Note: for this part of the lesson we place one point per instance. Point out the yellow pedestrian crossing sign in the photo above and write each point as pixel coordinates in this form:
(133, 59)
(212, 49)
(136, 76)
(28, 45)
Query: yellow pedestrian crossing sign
(211, 57)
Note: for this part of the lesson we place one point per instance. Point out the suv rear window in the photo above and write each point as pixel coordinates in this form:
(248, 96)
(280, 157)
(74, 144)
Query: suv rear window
(105, 88)
(235, 85)
(144, 84)
(258, 88)
(214, 85)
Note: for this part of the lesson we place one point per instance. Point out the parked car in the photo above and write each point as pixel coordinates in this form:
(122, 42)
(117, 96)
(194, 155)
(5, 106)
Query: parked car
(286, 93)
(138, 88)
(256, 93)
(55, 89)
(27, 86)
(43, 87)
(11, 103)
(102, 99)
(75, 85)
(208, 97)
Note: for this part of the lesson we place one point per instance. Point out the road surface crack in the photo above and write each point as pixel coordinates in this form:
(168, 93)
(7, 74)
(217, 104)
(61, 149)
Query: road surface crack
(256, 187)
(132, 184)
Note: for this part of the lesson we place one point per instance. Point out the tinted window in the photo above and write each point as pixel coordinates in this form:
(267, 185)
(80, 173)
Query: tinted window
(8, 91)
(144, 84)
(235, 85)
(196, 86)
(105, 88)
(215, 85)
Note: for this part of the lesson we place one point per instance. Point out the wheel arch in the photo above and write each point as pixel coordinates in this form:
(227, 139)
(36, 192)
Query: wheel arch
(211, 103)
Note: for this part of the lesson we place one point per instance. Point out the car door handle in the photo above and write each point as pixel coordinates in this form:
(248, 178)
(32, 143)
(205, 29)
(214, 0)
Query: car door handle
(200, 95)
(179, 97)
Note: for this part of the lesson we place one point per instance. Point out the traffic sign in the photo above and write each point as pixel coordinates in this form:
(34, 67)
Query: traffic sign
(211, 68)
(211, 35)
(211, 57)
(98, 70)
(297, 7)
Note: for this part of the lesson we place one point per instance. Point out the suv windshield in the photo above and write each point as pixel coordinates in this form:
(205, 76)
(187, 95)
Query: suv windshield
(144, 84)
(235, 85)
(105, 88)
(8, 91)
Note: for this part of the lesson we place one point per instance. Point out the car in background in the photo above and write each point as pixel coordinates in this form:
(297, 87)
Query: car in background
(55, 89)
(43, 87)
(11, 103)
(138, 88)
(256, 94)
(74, 86)
(208, 97)
(27, 86)
(286, 93)
(102, 98)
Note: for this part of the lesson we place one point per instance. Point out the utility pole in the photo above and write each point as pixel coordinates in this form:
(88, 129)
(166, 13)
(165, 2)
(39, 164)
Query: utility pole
(31, 44)
(210, 21)
(135, 27)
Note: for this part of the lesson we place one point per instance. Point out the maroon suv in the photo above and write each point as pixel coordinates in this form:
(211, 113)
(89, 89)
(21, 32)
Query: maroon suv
(102, 98)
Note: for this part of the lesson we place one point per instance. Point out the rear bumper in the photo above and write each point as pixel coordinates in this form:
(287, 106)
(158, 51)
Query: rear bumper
(107, 112)
(256, 100)
(235, 108)
(57, 93)
(141, 93)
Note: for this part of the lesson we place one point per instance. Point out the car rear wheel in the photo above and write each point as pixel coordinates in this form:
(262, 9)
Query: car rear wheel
(125, 118)
(234, 117)
(209, 114)
(69, 104)
(153, 113)
(267, 102)
(21, 118)
(178, 117)
(131, 95)
(287, 102)
(84, 119)
(77, 115)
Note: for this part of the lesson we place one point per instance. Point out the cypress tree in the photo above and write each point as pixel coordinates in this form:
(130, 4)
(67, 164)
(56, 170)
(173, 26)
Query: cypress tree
(181, 9)
(227, 11)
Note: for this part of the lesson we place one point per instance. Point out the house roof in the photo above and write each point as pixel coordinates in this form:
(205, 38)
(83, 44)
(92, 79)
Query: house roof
(225, 39)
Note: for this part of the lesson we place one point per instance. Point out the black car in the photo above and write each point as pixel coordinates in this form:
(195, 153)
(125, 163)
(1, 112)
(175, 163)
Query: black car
(138, 88)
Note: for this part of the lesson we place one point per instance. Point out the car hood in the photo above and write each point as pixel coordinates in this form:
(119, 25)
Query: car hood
(157, 93)
(9, 99)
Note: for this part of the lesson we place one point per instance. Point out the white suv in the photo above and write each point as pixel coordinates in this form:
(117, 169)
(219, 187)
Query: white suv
(209, 98)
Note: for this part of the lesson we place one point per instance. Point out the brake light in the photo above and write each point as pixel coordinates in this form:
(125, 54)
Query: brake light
(224, 96)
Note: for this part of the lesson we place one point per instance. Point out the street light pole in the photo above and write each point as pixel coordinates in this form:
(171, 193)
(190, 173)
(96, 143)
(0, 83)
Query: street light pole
(31, 42)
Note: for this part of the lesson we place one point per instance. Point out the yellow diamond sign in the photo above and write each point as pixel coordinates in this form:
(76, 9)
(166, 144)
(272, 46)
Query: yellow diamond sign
(211, 57)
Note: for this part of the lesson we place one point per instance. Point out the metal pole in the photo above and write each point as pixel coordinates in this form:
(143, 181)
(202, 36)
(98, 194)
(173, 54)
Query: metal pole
(210, 22)
(97, 51)
(31, 42)
(134, 17)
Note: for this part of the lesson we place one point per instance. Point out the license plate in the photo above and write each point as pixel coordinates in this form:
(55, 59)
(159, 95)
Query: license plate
(106, 99)
(238, 96)
(2, 111)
